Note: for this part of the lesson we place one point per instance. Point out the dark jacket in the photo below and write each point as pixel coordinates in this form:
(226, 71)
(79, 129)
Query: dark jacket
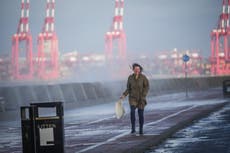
(137, 89)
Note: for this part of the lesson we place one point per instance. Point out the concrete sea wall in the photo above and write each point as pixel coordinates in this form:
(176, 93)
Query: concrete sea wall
(83, 94)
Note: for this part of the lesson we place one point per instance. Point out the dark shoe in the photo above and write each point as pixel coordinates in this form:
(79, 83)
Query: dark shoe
(141, 132)
(133, 131)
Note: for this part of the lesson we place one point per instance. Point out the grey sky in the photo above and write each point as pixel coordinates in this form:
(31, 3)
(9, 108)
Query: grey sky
(150, 25)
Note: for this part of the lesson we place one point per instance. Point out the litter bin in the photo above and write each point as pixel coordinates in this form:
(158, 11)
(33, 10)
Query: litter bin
(42, 128)
(226, 88)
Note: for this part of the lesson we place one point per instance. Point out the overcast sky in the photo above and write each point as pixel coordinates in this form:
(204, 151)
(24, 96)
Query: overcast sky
(150, 25)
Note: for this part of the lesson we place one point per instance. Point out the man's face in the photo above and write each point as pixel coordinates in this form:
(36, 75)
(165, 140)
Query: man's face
(137, 70)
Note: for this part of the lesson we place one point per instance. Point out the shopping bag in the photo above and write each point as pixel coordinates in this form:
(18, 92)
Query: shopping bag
(119, 109)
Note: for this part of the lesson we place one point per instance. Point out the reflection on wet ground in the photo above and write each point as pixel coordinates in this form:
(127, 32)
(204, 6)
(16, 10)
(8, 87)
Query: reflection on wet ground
(208, 135)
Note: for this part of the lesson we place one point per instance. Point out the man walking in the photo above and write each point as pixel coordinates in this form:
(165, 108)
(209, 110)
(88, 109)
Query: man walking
(137, 89)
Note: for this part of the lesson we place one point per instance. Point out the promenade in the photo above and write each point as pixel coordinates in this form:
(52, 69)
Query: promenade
(96, 129)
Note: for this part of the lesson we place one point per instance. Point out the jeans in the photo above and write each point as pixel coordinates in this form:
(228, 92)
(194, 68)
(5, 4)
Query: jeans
(133, 119)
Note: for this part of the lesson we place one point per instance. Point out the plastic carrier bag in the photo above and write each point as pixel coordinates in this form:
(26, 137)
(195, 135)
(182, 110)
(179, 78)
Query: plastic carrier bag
(119, 109)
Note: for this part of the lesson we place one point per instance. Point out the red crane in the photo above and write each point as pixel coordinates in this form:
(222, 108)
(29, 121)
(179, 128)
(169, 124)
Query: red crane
(220, 49)
(48, 46)
(116, 33)
(22, 65)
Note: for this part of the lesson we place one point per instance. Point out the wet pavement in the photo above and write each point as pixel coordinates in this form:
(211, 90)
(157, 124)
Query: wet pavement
(208, 135)
(95, 129)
